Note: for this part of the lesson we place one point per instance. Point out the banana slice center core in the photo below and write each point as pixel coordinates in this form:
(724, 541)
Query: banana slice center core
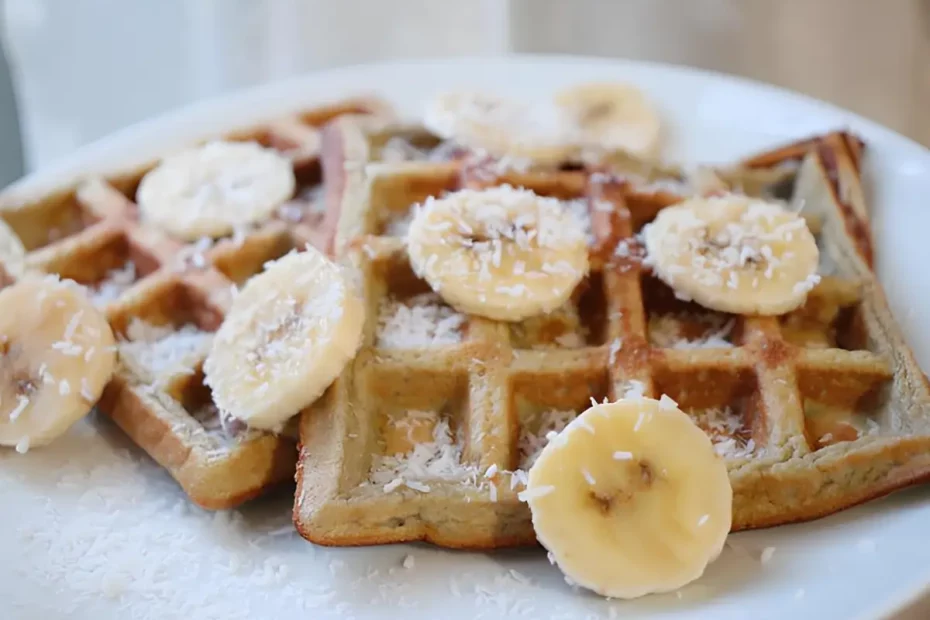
(13, 364)
(642, 477)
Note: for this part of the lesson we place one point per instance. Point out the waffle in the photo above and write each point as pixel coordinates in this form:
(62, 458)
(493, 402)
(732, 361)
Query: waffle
(164, 298)
(841, 155)
(813, 412)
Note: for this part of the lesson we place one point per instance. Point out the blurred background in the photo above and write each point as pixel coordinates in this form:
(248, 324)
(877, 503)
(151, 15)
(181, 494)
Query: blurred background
(81, 69)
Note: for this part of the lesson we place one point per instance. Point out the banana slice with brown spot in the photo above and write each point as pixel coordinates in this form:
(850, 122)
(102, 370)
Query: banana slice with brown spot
(734, 254)
(289, 333)
(631, 498)
(57, 353)
(503, 127)
(502, 253)
(212, 190)
(612, 116)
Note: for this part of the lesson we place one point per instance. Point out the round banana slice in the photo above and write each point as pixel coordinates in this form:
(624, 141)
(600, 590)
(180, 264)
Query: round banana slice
(612, 116)
(502, 253)
(12, 254)
(734, 254)
(502, 127)
(289, 333)
(214, 189)
(631, 499)
(57, 353)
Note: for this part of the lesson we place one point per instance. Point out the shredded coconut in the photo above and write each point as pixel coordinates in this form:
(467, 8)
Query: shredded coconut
(22, 403)
(667, 403)
(164, 349)
(579, 209)
(398, 224)
(767, 554)
(421, 321)
(672, 332)
(114, 284)
(440, 459)
(534, 434)
(529, 494)
(726, 431)
(633, 390)
(480, 227)
(193, 255)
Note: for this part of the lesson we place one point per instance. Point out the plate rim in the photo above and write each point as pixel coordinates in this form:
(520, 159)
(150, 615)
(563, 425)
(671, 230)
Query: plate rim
(82, 161)
(140, 142)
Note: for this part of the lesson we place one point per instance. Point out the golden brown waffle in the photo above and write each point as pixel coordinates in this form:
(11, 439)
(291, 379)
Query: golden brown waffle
(428, 433)
(164, 298)
(841, 153)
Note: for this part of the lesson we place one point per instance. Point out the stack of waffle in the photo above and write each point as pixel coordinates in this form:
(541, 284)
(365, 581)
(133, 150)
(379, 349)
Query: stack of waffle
(429, 432)
(164, 297)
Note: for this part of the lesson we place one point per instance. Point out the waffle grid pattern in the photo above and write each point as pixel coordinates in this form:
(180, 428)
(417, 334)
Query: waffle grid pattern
(781, 377)
(180, 293)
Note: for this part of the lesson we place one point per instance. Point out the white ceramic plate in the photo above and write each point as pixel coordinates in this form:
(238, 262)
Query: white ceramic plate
(90, 528)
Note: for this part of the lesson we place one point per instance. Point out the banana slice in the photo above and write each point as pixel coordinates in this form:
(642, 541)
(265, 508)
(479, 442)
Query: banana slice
(12, 254)
(214, 189)
(57, 353)
(289, 333)
(502, 253)
(734, 254)
(631, 498)
(612, 116)
(502, 127)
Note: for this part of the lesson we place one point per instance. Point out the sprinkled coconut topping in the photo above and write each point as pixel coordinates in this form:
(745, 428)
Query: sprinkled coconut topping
(164, 349)
(614, 349)
(398, 225)
(440, 459)
(808, 284)
(114, 284)
(220, 424)
(725, 428)
(579, 208)
(497, 244)
(560, 328)
(218, 184)
(479, 121)
(21, 404)
(421, 321)
(767, 554)
(269, 325)
(193, 255)
(528, 494)
(671, 331)
(309, 204)
(504, 214)
(534, 434)
(633, 389)
(726, 252)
